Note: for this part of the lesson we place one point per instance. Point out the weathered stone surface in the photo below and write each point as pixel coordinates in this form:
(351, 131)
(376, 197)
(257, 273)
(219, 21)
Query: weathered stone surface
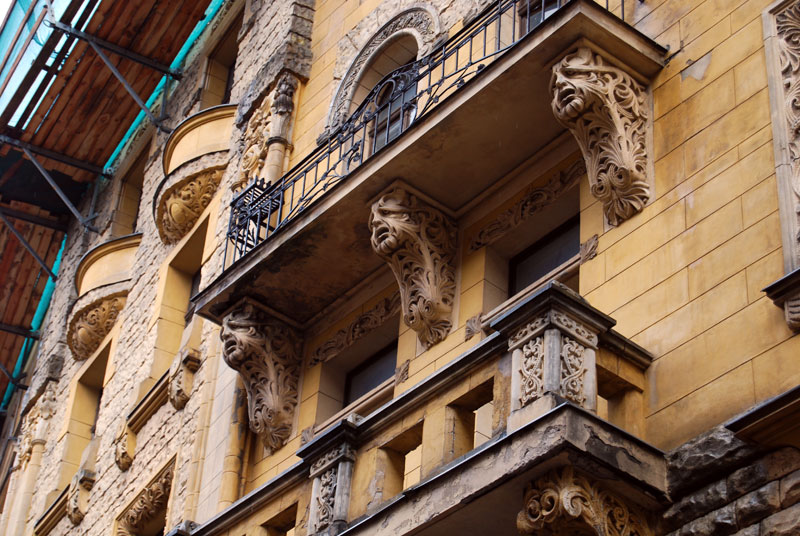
(704, 459)
(757, 504)
(784, 523)
(769, 468)
(719, 523)
(790, 489)
(697, 504)
(752, 530)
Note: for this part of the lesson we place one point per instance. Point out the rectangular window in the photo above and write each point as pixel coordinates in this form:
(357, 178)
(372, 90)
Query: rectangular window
(370, 373)
(546, 255)
(220, 67)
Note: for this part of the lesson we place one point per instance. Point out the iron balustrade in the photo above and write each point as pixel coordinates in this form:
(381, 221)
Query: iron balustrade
(390, 108)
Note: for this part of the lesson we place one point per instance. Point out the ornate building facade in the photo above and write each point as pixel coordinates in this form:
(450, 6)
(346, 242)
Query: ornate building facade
(511, 267)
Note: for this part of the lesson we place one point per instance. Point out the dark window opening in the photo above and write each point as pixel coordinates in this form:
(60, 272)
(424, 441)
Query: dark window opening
(371, 373)
(195, 288)
(546, 255)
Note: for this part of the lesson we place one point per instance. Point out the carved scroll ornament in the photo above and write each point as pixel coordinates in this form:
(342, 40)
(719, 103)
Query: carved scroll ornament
(152, 501)
(534, 200)
(266, 353)
(418, 242)
(363, 324)
(123, 456)
(78, 495)
(90, 325)
(561, 499)
(181, 373)
(181, 206)
(606, 111)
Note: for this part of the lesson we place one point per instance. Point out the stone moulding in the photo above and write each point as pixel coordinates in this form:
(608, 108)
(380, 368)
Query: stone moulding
(181, 201)
(782, 47)
(607, 112)
(363, 324)
(534, 200)
(93, 316)
(420, 21)
(150, 502)
(418, 242)
(559, 499)
(266, 353)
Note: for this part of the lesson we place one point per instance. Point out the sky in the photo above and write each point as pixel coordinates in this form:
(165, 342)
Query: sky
(4, 8)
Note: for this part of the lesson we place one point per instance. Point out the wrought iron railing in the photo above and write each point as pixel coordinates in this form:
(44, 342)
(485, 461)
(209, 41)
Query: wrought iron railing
(392, 106)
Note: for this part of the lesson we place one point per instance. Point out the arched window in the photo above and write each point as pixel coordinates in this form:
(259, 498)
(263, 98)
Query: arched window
(386, 91)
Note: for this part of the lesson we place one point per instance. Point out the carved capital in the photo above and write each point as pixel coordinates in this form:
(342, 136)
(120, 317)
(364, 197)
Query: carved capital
(152, 501)
(181, 204)
(563, 503)
(266, 353)
(362, 325)
(418, 242)
(282, 107)
(92, 323)
(34, 427)
(181, 375)
(607, 112)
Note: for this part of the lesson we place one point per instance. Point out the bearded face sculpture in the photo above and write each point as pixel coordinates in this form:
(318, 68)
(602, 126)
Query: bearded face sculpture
(606, 110)
(418, 242)
(266, 353)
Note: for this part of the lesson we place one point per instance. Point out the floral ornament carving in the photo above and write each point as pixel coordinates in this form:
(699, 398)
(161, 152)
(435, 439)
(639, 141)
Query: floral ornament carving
(534, 200)
(563, 498)
(181, 205)
(418, 242)
(532, 371)
(325, 498)
(416, 19)
(472, 326)
(589, 249)
(528, 330)
(90, 325)
(606, 111)
(35, 424)
(572, 370)
(269, 123)
(363, 324)
(401, 372)
(266, 353)
(152, 501)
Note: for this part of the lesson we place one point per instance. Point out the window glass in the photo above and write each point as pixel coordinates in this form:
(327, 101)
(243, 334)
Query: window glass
(371, 373)
(544, 256)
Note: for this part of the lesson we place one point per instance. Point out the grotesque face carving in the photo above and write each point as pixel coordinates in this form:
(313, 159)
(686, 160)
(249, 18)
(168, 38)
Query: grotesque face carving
(266, 354)
(576, 85)
(418, 242)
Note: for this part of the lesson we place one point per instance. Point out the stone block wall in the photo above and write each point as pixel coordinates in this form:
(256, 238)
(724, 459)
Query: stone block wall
(722, 486)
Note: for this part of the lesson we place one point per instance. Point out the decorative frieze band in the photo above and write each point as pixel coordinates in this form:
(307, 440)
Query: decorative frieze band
(607, 112)
(362, 325)
(330, 491)
(418, 242)
(534, 201)
(266, 353)
(562, 502)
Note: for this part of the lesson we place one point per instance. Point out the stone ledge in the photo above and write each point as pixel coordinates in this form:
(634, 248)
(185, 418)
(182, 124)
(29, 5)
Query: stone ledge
(156, 397)
(55, 512)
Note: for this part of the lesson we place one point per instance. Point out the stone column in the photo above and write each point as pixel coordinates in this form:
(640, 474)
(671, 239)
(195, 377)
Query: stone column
(281, 114)
(30, 474)
(330, 491)
(553, 357)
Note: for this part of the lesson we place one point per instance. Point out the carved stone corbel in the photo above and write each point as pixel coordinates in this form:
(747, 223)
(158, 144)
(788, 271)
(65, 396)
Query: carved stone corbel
(330, 491)
(266, 353)
(607, 112)
(181, 375)
(150, 502)
(181, 204)
(124, 449)
(418, 242)
(92, 323)
(562, 503)
(78, 495)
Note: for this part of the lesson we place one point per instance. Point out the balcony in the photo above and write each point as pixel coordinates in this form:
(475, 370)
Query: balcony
(194, 159)
(102, 281)
(485, 92)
